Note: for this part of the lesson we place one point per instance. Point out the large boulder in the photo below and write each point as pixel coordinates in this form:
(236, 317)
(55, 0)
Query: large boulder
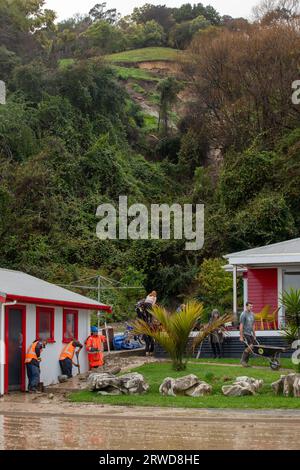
(287, 385)
(167, 387)
(297, 387)
(101, 381)
(109, 384)
(134, 383)
(255, 384)
(200, 390)
(278, 386)
(242, 386)
(189, 386)
(237, 390)
(184, 384)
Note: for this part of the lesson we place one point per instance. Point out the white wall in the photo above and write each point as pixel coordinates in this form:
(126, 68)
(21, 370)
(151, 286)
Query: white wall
(286, 283)
(50, 369)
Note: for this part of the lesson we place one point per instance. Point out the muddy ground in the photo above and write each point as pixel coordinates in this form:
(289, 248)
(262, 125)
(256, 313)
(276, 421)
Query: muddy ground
(49, 421)
(123, 360)
(51, 424)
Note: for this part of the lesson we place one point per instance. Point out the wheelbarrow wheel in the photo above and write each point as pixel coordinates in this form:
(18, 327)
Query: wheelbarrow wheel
(275, 364)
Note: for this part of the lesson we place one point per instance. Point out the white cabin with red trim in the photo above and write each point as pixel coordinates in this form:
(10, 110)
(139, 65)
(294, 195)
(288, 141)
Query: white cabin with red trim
(35, 309)
(267, 272)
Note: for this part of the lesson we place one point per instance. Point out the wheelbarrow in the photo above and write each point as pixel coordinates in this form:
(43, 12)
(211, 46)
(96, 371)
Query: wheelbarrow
(272, 353)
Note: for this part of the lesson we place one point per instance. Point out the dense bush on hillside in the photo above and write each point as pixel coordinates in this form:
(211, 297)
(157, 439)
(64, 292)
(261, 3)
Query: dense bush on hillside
(71, 138)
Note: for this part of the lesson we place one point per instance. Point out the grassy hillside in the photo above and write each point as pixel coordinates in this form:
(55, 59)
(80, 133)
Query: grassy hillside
(142, 84)
(146, 54)
(126, 73)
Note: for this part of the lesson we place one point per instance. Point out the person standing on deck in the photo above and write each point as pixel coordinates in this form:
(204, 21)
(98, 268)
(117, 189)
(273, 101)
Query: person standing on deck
(247, 332)
(216, 338)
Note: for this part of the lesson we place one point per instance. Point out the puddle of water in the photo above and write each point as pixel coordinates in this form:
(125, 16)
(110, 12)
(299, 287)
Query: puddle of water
(98, 433)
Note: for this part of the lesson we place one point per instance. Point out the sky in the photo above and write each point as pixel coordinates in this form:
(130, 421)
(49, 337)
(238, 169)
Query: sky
(67, 8)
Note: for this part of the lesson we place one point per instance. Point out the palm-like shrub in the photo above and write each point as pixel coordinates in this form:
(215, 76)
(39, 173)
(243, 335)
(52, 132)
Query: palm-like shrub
(172, 330)
(291, 333)
(291, 302)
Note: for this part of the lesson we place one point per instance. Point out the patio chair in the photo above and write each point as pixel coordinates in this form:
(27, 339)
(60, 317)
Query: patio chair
(271, 320)
(261, 317)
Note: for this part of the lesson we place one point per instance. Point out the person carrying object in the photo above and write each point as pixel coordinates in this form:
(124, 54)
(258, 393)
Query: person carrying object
(67, 355)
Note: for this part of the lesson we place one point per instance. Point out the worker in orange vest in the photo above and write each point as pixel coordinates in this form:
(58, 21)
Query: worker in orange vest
(94, 347)
(32, 361)
(66, 357)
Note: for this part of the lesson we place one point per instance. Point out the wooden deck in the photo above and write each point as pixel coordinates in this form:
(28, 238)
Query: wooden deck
(233, 348)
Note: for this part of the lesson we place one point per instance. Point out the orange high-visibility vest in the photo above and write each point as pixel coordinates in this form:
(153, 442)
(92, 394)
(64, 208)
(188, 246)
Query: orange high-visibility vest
(68, 351)
(31, 354)
(95, 342)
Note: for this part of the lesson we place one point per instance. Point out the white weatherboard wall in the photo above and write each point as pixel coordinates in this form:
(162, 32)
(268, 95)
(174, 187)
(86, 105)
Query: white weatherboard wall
(50, 369)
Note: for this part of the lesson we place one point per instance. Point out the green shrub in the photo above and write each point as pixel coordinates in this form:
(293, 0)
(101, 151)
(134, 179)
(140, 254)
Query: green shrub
(244, 176)
(215, 286)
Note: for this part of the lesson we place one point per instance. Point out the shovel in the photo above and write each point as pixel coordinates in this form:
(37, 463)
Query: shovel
(78, 363)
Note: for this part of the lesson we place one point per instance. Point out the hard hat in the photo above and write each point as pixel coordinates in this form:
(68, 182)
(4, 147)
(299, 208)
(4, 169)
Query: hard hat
(94, 329)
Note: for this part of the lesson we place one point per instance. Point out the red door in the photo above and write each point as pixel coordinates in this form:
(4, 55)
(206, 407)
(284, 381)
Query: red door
(15, 343)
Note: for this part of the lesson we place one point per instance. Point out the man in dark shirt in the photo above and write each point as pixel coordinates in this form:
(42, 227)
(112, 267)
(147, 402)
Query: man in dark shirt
(32, 361)
(247, 332)
(67, 355)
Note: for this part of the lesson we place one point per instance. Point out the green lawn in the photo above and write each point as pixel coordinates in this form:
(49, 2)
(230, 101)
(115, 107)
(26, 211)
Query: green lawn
(126, 73)
(286, 363)
(215, 375)
(146, 54)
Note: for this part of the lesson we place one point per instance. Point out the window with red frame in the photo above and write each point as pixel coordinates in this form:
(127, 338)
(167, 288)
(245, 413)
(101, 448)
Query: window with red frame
(70, 325)
(45, 324)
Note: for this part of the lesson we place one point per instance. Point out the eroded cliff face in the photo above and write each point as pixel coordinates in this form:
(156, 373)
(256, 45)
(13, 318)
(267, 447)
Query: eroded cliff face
(160, 67)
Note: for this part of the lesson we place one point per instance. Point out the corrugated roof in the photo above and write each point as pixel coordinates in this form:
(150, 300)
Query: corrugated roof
(289, 247)
(23, 287)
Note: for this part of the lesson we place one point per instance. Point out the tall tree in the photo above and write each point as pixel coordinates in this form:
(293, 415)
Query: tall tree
(99, 12)
(169, 89)
(246, 91)
(159, 13)
(272, 11)
(24, 25)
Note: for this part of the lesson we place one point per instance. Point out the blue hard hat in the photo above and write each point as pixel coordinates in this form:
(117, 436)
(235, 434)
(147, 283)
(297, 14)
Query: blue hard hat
(94, 329)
